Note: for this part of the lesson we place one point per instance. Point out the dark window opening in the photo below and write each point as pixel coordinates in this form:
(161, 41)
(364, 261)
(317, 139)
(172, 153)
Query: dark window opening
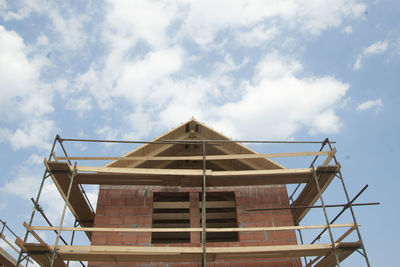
(170, 210)
(220, 213)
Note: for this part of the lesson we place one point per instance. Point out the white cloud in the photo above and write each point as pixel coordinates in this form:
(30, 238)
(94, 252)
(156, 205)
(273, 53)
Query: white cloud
(66, 22)
(26, 185)
(205, 19)
(370, 104)
(82, 105)
(18, 10)
(26, 99)
(374, 49)
(3, 205)
(258, 36)
(138, 20)
(282, 102)
(36, 133)
(348, 29)
(140, 80)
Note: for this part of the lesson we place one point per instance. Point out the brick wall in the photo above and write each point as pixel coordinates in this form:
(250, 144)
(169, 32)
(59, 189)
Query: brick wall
(131, 207)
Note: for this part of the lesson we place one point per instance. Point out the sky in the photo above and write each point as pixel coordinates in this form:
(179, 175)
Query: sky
(259, 70)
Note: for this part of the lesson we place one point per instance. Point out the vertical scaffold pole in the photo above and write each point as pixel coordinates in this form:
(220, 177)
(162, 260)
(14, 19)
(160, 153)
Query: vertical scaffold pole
(351, 211)
(53, 258)
(45, 175)
(326, 217)
(203, 208)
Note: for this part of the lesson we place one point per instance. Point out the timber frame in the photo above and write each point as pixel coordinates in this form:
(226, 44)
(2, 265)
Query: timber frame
(216, 161)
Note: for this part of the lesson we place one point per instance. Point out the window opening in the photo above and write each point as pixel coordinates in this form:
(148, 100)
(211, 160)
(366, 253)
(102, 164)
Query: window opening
(170, 210)
(220, 212)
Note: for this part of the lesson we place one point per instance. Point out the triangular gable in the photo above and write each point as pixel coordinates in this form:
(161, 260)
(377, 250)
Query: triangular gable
(194, 130)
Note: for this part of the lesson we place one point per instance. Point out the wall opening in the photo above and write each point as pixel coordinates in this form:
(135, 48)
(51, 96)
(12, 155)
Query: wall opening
(170, 210)
(220, 212)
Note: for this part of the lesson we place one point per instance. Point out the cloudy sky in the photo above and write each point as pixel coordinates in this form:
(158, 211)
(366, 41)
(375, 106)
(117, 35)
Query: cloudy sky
(287, 70)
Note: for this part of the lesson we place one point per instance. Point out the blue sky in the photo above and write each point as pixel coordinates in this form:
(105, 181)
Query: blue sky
(286, 70)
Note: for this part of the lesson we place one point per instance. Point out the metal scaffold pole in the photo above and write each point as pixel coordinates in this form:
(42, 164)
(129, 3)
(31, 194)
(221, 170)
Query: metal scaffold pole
(53, 258)
(326, 217)
(340, 176)
(45, 175)
(203, 209)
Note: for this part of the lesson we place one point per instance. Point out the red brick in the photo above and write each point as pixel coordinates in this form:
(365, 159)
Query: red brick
(116, 220)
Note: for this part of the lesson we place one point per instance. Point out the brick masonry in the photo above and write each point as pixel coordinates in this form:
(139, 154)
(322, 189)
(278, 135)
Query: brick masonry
(131, 207)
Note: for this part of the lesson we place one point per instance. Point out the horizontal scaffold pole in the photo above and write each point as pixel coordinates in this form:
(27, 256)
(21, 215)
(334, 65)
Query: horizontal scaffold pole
(247, 229)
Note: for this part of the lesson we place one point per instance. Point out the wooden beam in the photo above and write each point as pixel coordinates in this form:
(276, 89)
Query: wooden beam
(78, 205)
(330, 156)
(32, 231)
(9, 243)
(209, 157)
(188, 254)
(6, 259)
(144, 171)
(309, 195)
(163, 177)
(300, 172)
(186, 216)
(41, 253)
(344, 250)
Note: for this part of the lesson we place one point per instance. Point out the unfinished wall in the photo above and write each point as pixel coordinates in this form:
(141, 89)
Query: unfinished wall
(131, 207)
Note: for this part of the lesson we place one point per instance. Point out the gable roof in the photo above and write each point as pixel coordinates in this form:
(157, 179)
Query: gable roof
(194, 130)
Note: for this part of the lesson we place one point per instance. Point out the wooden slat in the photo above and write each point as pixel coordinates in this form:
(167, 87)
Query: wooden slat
(209, 157)
(186, 205)
(186, 216)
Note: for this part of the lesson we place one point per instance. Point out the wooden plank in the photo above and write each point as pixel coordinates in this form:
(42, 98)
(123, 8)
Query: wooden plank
(300, 172)
(187, 254)
(309, 195)
(330, 156)
(346, 234)
(343, 250)
(77, 202)
(144, 171)
(41, 253)
(193, 178)
(187, 229)
(6, 259)
(186, 216)
(9, 243)
(116, 179)
(209, 157)
(38, 238)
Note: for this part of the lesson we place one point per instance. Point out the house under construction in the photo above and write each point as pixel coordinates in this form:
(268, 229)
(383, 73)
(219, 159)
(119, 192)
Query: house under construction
(193, 197)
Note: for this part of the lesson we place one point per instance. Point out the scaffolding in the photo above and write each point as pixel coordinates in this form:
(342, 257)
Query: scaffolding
(312, 181)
